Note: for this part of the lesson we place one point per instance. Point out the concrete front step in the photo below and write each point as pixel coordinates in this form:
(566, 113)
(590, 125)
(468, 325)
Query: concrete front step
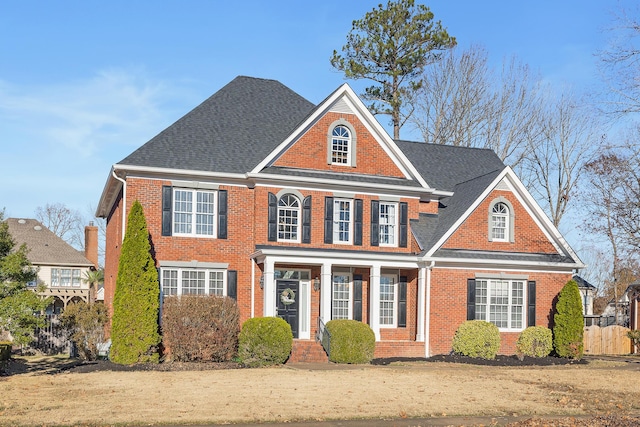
(308, 351)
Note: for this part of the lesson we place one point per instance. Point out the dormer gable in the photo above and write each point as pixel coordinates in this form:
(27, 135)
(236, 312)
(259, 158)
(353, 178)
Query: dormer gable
(342, 136)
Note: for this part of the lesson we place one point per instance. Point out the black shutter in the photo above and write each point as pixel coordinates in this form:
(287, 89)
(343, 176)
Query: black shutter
(167, 202)
(404, 220)
(402, 302)
(375, 223)
(357, 223)
(306, 220)
(232, 284)
(222, 214)
(273, 218)
(328, 219)
(357, 297)
(531, 303)
(471, 299)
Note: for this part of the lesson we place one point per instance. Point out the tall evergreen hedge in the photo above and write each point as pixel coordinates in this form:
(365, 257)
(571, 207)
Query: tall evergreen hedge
(134, 331)
(568, 329)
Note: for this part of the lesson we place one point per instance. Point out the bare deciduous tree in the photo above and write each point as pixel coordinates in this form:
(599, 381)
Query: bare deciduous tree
(65, 223)
(555, 161)
(465, 103)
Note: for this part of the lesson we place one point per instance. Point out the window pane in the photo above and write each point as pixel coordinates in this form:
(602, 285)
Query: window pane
(169, 282)
(65, 277)
(481, 300)
(193, 282)
(387, 300)
(205, 216)
(501, 302)
(340, 145)
(75, 277)
(216, 283)
(342, 220)
(182, 211)
(387, 223)
(341, 297)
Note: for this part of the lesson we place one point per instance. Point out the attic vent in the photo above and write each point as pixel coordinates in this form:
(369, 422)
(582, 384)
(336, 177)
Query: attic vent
(22, 221)
(37, 228)
(341, 107)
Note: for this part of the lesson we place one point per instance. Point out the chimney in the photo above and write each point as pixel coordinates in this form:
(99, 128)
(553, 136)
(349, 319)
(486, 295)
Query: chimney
(91, 243)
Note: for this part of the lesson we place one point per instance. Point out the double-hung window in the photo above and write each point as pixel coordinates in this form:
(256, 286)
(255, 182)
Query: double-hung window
(341, 304)
(342, 220)
(500, 302)
(194, 212)
(388, 300)
(191, 281)
(388, 224)
(500, 222)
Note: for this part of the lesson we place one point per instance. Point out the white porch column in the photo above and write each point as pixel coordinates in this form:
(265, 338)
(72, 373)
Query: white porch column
(270, 306)
(374, 289)
(427, 350)
(421, 304)
(326, 283)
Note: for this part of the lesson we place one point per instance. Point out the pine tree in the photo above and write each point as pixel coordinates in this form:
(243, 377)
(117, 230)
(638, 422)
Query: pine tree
(18, 304)
(134, 332)
(568, 326)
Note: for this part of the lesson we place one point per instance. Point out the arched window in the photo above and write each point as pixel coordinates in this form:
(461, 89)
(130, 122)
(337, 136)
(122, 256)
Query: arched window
(288, 218)
(500, 218)
(340, 145)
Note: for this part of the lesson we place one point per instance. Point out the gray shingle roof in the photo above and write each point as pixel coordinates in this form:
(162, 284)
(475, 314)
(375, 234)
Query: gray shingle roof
(445, 166)
(45, 248)
(351, 177)
(502, 256)
(231, 131)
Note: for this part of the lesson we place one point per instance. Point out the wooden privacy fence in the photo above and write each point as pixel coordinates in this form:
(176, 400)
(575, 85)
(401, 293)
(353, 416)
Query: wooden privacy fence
(609, 340)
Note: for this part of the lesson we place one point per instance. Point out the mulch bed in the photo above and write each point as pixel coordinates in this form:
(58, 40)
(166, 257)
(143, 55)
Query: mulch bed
(498, 361)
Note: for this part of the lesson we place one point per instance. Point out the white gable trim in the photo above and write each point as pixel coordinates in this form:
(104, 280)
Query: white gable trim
(531, 206)
(346, 94)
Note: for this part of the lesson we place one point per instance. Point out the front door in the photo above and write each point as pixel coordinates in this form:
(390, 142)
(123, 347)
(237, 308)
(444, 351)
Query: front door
(287, 294)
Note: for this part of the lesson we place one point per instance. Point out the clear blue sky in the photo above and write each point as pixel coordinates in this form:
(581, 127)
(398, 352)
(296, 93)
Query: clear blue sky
(84, 83)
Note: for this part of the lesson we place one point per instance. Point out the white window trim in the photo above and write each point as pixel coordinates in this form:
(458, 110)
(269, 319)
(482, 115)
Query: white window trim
(299, 219)
(206, 271)
(394, 302)
(350, 287)
(336, 221)
(194, 213)
(395, 224)
(510, 305)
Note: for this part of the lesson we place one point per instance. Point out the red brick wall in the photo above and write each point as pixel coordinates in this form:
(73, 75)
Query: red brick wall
(474, 232)
(449, 305)
(310, 151)
(113, 241)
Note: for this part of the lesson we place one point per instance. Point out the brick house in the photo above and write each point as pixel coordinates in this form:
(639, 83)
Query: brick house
(313, 212)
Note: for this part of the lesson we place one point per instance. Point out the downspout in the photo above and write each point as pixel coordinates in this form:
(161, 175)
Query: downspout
(427, 350)
(124, 200)
(253, 288)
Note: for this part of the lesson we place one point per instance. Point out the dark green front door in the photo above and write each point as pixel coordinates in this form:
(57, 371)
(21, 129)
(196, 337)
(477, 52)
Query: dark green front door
(287, 293)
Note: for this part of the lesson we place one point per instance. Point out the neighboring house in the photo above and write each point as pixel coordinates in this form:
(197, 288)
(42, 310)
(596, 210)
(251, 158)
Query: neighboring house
(621, 308)
(313, 213)
(61, 268)
(587, 295)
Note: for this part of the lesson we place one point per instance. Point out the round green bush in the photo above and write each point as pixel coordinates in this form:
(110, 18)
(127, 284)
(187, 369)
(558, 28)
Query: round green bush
(351, 341)
(477, 338)
(265, 341)
(535, 341)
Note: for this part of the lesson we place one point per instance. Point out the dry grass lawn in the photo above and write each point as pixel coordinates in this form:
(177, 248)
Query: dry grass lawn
(417, 389)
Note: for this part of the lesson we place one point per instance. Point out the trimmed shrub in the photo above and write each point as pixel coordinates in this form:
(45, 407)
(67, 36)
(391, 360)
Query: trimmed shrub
(351, 341)
(85, 323)
(200, 328)
(535, 341)
(568, 329)
(135, 335)
(265, 341)
(477, 338)
(5, 350)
